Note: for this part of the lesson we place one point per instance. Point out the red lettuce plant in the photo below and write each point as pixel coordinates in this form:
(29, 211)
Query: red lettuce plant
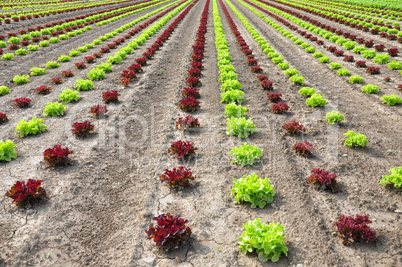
(142, 61)
(56, 80)
(352, 37)
(57, 155)
(23, 193)
(196, 64)
(256, 69)
(22, 102)
(181, 149)
(294, 127)
(197, 58)
(3, 118)
(348, 59)
(331, 49)
(191, 91)
(262, 77)
(373, 70)
(148, 55)
(43, 90)
(338, 53)
(128, 74)
(80, 65)
(170, 231)
(82, 128)
(111, 46)
(177, 178)
(320, 42)
(189, 104)
(97, 55)
(379, 48)
(393, 52)
(321, 177)
(400, 40)
(13, 47)
(267, 85)
(90, 59)
(374, 31)
(274, 97)
(185, 123)
(25, 43)
(360, 40)
(193, 81)
(98, 110)
(369, 44)
(194, 72)
(351, 229)
(279, 108)
(387, 79)
(125, 81)
(135, 68)
(384, 35)
(252, 62)
(67, 73)
(361, 64)
(392, 37)
(110, 96)
(105, 50)
(304, 148)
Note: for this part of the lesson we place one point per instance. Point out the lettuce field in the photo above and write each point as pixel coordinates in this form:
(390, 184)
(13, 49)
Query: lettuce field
(201, 133)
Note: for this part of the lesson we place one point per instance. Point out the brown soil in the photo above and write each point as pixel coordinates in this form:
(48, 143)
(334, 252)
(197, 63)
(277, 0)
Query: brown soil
(100, 206)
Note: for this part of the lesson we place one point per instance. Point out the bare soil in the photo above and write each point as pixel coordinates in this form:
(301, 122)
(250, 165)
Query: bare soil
(99, 207)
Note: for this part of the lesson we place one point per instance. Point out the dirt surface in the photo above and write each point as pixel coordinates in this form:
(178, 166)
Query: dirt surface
(99, 207)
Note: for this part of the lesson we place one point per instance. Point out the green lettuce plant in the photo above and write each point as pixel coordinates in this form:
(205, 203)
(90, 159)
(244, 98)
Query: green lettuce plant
(64, 58)
(324, 59)
(316, 100)
(4, 90)
(7, 151)
(106, 67)
(21, 52)
(369, 54)
(44, 44)
(296, 79)
(96, 74)
(283, 66)
(74, 53)
(234, 96)
(83, 85)
(33, 47)
(356, 79)
(334, 116)
(69, 95)
(23, 79)
(52, 65)
(371, 89)
(267, 241)
(343, 72)
(7, 56)
(251, 188)
(334, 65)
(391, 100)
(381, 59)
(37, 71)
(307, 91)
(394, 177)
(246, 154)
(318, 55)
(230, 85)
(395, 65)
(33, 126)
(291, 72)
(240, 127)
(54, 109)
(234, 110)
(355, 139)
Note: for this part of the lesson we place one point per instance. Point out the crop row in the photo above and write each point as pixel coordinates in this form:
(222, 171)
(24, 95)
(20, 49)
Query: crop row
(65, 30)
(7, 17)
